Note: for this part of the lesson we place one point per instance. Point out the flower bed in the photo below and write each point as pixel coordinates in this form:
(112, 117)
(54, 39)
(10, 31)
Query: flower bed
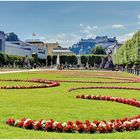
(120, 125)
(103, 87)
(46, 84)
(103, 77)
(96, 126)
(132, 102)
(108, 82)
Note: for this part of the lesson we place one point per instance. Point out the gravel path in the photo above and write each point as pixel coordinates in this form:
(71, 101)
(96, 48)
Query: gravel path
(19, 71)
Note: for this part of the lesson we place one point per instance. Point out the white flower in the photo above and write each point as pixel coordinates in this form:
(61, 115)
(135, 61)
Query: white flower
(74, 125)
(134, 120)
(94, 125)
(16, 122)
(26, 121)
(102, 124)
(138, 120)
(110, 123)
(92, 96)
(43, 122)
(36, 122)
(127, 122)
(86, 96)
(84, 125)
(55, 123)
(48, 121)
(64, 124)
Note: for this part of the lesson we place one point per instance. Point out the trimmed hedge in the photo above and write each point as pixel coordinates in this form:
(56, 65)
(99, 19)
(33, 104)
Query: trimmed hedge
(72, 59)
(129, 53)
(6, 59)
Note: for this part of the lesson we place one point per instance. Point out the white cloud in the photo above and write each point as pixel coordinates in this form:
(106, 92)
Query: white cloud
(95, 27)
(88, 31)
(67, 40)
(64, 40)
(125, 37)
(117, 26)
(139, 16)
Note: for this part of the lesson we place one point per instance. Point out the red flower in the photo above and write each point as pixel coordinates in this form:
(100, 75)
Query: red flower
(80, 128)
(59, 127)
(69, 129)
(27, 124)
(37, 125)
(10, 121)
(49, 126)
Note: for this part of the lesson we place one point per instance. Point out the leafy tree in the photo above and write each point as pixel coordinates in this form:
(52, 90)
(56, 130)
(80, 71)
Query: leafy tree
(35, 57)
(2, 59)
(84, 59)
(98, 50)
(12, 37)
(129, 53)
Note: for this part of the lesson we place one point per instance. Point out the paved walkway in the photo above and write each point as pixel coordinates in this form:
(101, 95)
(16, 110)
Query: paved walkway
(19, 71)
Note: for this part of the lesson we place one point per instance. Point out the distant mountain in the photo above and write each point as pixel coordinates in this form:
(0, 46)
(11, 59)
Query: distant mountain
(84, 46)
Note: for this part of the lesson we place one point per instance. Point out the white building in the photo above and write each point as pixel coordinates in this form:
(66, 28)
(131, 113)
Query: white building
(25, 49)
(21, 48)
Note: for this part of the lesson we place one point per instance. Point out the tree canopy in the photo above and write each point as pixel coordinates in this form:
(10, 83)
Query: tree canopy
(129, 53)
(98, 50)
(12, 37)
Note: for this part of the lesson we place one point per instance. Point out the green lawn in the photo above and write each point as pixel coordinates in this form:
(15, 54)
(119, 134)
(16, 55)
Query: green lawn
(59, 104)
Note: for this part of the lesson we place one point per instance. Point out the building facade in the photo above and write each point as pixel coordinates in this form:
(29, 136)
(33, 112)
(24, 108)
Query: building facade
(21, 48)
(2, 41)
(51, 47)
(85, 46)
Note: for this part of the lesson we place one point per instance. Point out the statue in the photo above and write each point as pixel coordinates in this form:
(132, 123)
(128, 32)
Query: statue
(58, 61)
(79, 60)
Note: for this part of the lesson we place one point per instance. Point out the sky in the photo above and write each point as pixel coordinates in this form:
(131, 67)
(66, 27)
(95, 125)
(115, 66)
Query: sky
(68, 22)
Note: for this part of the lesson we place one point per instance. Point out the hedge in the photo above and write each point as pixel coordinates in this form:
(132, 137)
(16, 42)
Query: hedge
(6, 59)
(129, 53)
(72, 59)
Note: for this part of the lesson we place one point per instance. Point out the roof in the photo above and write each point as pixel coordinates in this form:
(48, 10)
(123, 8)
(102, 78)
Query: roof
(51, 43)
(34, 41)
(61, 50)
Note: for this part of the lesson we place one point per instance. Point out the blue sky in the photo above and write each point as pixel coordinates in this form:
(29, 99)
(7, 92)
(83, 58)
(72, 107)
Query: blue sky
(67, 22)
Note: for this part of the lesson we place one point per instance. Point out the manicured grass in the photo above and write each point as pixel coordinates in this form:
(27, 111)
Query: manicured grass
(59, 104)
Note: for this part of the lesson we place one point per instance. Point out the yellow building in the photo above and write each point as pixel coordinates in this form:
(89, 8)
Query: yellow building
(51, 47)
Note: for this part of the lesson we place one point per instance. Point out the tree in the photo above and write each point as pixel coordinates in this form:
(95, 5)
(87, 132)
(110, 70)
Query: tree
(129, 53)
(98, 50)
(35, 57)
(12, 37)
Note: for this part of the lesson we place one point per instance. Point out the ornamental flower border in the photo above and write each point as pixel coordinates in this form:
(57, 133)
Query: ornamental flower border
(108, 82)
(132, 102)
(118, 125)
(103, 87)
(46, 84)
(105, 77)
